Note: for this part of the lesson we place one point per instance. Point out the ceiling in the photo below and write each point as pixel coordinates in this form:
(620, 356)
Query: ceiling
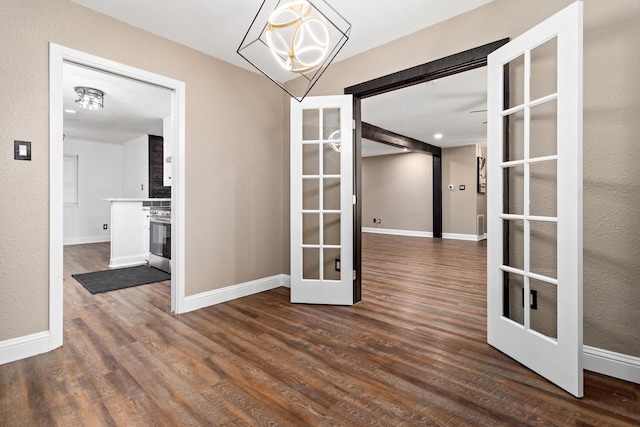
(217, 28)
(131, 108)
(452, 106)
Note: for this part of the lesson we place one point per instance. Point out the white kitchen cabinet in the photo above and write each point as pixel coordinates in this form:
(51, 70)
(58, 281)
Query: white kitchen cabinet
(130, 231)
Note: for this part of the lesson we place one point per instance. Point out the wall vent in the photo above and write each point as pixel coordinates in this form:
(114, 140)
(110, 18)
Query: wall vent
(480, 226)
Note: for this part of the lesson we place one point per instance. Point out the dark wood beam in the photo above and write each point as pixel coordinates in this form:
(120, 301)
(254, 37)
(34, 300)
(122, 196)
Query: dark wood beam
(449, 65)
(437, 197)
(378, 134)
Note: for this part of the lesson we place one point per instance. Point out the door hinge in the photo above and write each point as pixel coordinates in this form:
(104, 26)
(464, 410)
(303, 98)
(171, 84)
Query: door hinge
(353, 275)
(354, 199)
(353, 124)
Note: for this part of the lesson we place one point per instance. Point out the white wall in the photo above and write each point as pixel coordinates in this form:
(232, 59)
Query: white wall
(99, 177)
(135, 167)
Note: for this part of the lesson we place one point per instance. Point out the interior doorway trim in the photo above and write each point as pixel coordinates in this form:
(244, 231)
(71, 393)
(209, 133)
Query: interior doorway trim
(447, 66)
(57, 56)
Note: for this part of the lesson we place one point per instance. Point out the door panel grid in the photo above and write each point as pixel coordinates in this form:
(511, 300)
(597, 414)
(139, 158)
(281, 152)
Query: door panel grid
(534, 254)
(321, 209)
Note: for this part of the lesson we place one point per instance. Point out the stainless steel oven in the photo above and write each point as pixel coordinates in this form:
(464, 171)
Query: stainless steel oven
(160, 239)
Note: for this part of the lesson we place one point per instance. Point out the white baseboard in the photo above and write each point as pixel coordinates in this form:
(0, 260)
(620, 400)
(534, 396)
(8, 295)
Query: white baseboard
(286, 280)
(396, 232)
(85, 240)
(613, 364)
(23, 347)
(456, 236)
(132, 261)
(217, 296)
(411, 233)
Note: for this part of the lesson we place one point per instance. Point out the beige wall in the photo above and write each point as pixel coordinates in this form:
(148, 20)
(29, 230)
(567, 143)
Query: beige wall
(234, 192)
(611, 135)
(398, 189)
(459, 206)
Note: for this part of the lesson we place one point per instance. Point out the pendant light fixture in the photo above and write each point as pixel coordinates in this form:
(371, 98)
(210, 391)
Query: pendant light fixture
(294, 38)
(89, 98)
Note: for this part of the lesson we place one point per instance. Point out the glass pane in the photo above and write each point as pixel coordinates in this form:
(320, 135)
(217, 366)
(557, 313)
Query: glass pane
(331, 123)
(515, 71)
(331, 160)
(310, 125)
(513, 288)
(311, 229)
(544, 130)
(311, 263)
(331, 229)
(514, 187)
(311, 159)
(544, 248)
(544, 317)
(310, 194)
(330, 257)
(331, 194)
(514, 137)
(514, 252)
(544, 69)
(543, 188)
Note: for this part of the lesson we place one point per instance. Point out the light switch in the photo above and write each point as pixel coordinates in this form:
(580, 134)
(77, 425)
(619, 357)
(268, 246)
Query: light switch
(22, 150)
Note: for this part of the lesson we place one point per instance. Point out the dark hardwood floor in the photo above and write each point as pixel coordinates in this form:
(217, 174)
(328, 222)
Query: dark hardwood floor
(413, 352)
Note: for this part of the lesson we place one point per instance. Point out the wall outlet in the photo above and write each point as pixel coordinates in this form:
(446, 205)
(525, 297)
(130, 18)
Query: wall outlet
(451, 187)
(104, 226)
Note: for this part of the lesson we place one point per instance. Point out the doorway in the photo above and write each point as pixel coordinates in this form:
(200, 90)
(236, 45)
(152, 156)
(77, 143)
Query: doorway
(60, 55)
(454, 64)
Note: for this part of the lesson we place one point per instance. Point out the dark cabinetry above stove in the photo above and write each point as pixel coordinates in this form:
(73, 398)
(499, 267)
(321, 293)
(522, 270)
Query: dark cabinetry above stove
(157, 189)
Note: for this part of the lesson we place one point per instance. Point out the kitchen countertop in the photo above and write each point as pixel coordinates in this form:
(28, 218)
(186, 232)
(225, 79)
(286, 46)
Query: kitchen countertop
(136, 200)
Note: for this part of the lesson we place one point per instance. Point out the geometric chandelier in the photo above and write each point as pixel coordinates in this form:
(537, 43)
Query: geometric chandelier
(294, 38)
(89, 98)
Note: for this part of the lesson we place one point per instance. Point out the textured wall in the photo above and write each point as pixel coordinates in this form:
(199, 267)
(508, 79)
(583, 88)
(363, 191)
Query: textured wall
(398, 189)
(234, 154)
(459, 206)
(611, 137)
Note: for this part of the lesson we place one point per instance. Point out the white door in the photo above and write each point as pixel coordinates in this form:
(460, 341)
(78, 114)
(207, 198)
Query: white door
(322, 200)
(534, 264)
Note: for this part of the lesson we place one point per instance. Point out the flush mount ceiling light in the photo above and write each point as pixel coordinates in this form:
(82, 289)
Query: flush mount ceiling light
(89, 98)
(294, 38)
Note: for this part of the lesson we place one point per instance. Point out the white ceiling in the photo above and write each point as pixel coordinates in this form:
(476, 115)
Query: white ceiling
(217, 28)
(440, 106)
(131, 108)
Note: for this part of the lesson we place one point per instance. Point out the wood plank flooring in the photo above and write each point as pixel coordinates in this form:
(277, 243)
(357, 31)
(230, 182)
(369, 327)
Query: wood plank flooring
(413, 352)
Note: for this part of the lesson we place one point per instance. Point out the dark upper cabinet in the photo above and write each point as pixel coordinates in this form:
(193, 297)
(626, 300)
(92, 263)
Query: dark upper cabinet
(157, 189)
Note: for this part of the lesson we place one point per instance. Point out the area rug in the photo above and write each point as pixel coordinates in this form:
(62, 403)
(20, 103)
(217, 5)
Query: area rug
(120, 278)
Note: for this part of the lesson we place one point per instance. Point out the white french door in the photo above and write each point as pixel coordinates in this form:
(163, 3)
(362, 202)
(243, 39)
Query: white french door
(534, 256)
(322, 200)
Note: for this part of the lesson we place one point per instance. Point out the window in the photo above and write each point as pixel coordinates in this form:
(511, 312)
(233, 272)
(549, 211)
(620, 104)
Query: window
(70, 180)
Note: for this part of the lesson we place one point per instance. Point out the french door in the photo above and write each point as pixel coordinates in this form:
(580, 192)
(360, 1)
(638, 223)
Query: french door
(534, 257)
(322, 200)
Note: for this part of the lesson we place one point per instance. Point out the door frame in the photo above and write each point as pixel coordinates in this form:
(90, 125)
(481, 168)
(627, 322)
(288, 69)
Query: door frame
(57, 56)
(443, 67)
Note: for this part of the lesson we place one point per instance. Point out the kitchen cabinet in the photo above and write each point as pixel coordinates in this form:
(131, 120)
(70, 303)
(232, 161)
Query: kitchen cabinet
(157, 189)
(129, 232)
